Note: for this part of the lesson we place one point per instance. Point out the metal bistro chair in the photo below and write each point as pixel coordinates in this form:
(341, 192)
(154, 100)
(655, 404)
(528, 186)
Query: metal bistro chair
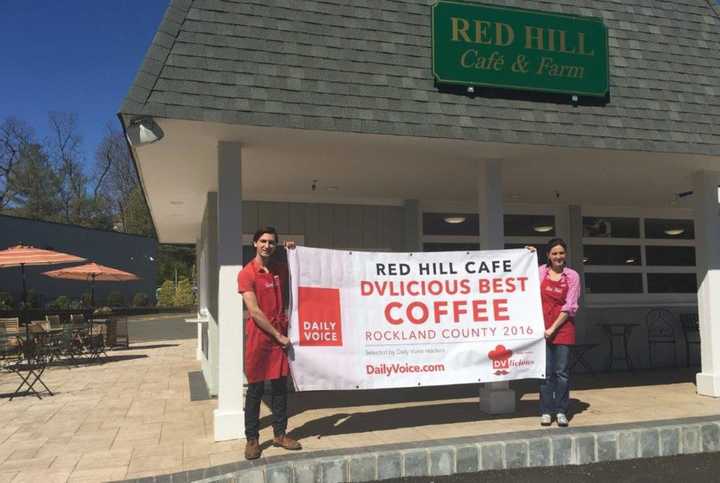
(691, 332)
(30, 366)
(661, 331)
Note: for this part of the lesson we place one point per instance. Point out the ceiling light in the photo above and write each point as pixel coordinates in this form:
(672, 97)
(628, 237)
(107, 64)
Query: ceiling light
(143, 130)
(674, 231)
(586, 259)
(332, 188)
(630, 260)
(543, 228)
(454, 220)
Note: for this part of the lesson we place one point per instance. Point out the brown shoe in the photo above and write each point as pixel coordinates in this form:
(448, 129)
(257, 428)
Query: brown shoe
(286, 442)
(252, 449)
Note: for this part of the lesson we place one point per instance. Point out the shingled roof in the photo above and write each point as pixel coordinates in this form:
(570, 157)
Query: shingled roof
(365, 66)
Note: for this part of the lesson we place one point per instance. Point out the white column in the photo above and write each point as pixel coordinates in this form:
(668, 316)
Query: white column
(229, 421)
(707, 236)
(495, 397)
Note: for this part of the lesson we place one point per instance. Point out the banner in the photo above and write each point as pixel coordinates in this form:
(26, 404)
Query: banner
(363, 320)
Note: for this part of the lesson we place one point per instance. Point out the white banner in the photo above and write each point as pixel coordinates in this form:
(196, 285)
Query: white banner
(363, 320)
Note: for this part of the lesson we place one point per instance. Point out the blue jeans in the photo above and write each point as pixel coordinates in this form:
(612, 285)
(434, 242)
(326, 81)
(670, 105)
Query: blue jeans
(555, 389)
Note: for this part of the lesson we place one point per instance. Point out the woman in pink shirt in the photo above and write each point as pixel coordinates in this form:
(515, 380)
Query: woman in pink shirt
(560, 289)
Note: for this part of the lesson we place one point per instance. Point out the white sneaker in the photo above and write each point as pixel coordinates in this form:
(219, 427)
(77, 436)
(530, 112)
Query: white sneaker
(545, 420)
(562, 420)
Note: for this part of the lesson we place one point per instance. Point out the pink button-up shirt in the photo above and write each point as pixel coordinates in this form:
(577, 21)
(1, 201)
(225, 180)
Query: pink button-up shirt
(573, 294)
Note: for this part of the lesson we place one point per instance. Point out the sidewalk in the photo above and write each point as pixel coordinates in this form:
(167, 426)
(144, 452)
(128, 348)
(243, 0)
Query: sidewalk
(132, 417)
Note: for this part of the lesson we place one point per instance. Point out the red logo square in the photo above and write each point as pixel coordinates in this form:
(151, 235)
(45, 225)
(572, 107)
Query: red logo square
(319, 316)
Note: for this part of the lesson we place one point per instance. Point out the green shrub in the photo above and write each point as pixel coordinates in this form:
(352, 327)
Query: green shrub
(184, 295)
(60, 303)
(116, 299)
(141, 299)
(6, 301)
(166, 294)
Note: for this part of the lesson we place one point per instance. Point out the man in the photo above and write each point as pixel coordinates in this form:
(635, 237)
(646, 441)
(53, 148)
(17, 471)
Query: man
(261, 283)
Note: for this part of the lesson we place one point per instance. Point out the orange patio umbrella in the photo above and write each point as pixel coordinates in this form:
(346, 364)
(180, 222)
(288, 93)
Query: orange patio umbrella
(24, 255)
(92, 272)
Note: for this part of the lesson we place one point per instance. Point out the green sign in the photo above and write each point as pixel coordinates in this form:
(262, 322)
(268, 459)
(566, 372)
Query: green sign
(483, 45)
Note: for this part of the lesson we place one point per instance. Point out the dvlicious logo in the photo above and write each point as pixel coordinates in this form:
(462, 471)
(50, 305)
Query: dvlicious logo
(500, 358)
(319, 316)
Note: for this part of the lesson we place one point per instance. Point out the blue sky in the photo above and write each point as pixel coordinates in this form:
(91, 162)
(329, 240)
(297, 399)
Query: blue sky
(76, 56)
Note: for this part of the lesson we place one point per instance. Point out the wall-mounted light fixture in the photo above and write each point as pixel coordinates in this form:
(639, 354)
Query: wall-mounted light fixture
(144, 130)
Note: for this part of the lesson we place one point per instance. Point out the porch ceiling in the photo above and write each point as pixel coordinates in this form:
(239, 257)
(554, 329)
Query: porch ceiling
(282, 164)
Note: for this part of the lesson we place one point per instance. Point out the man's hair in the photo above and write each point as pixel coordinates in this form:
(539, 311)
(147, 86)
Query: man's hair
(262, 231)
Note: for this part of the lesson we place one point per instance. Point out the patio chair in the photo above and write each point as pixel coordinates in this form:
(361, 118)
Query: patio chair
(10, 327)
(121, 335)
(691, 333)
(54, 322)
(661, 331)
(30, 365)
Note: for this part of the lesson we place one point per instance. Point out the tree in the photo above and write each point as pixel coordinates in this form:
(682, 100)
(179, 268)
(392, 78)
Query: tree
(64, 149)
(116, 181)
(14, 136)
(35, 184)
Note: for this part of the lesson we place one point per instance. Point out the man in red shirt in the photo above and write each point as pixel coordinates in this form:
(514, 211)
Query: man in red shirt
(261, 284)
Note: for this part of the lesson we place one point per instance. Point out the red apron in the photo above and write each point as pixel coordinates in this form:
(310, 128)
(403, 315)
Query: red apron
(553, 295)
(265, 359)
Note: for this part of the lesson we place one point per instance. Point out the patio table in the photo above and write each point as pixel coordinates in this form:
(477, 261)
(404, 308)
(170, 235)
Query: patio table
(619, 331)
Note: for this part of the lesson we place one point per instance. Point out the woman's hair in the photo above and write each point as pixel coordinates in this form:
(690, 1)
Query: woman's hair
(553, 243)
(262, 231)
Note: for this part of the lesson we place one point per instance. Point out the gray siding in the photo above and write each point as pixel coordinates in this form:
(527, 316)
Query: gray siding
(332, 226)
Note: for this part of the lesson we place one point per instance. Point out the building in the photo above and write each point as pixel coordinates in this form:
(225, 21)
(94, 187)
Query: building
(329, 120)
(131, 253)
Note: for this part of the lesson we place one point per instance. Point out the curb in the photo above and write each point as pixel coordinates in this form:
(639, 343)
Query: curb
(545, 447)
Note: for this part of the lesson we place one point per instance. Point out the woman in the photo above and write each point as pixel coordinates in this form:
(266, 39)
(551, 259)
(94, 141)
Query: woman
(560, 289)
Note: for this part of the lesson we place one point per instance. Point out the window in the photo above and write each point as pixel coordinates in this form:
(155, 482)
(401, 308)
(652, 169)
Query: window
(657, 228)
(612, 255)
(672, 283)
(624, 255)
(670, 256)
(463, 224)
(529, 225)
(606, 283)
(609, 227)
(450, 247)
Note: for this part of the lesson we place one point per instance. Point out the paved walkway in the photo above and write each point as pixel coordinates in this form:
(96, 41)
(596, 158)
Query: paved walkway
(133, 417)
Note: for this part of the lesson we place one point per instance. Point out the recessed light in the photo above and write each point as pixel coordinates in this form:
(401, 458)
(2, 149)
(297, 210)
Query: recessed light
(543, 228)
(332, 188)
(586, 259)
(454, 220)
(674, 231)
(630, 260)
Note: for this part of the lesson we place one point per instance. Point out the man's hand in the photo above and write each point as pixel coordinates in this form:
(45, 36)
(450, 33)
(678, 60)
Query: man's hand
(282, 340)
(289, 244)
(530, 248)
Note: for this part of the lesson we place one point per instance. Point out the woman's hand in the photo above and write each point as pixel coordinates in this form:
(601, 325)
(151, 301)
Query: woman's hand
(548, 333)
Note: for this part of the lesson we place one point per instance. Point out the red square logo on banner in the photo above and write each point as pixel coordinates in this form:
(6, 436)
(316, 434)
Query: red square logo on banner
(319, 316)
